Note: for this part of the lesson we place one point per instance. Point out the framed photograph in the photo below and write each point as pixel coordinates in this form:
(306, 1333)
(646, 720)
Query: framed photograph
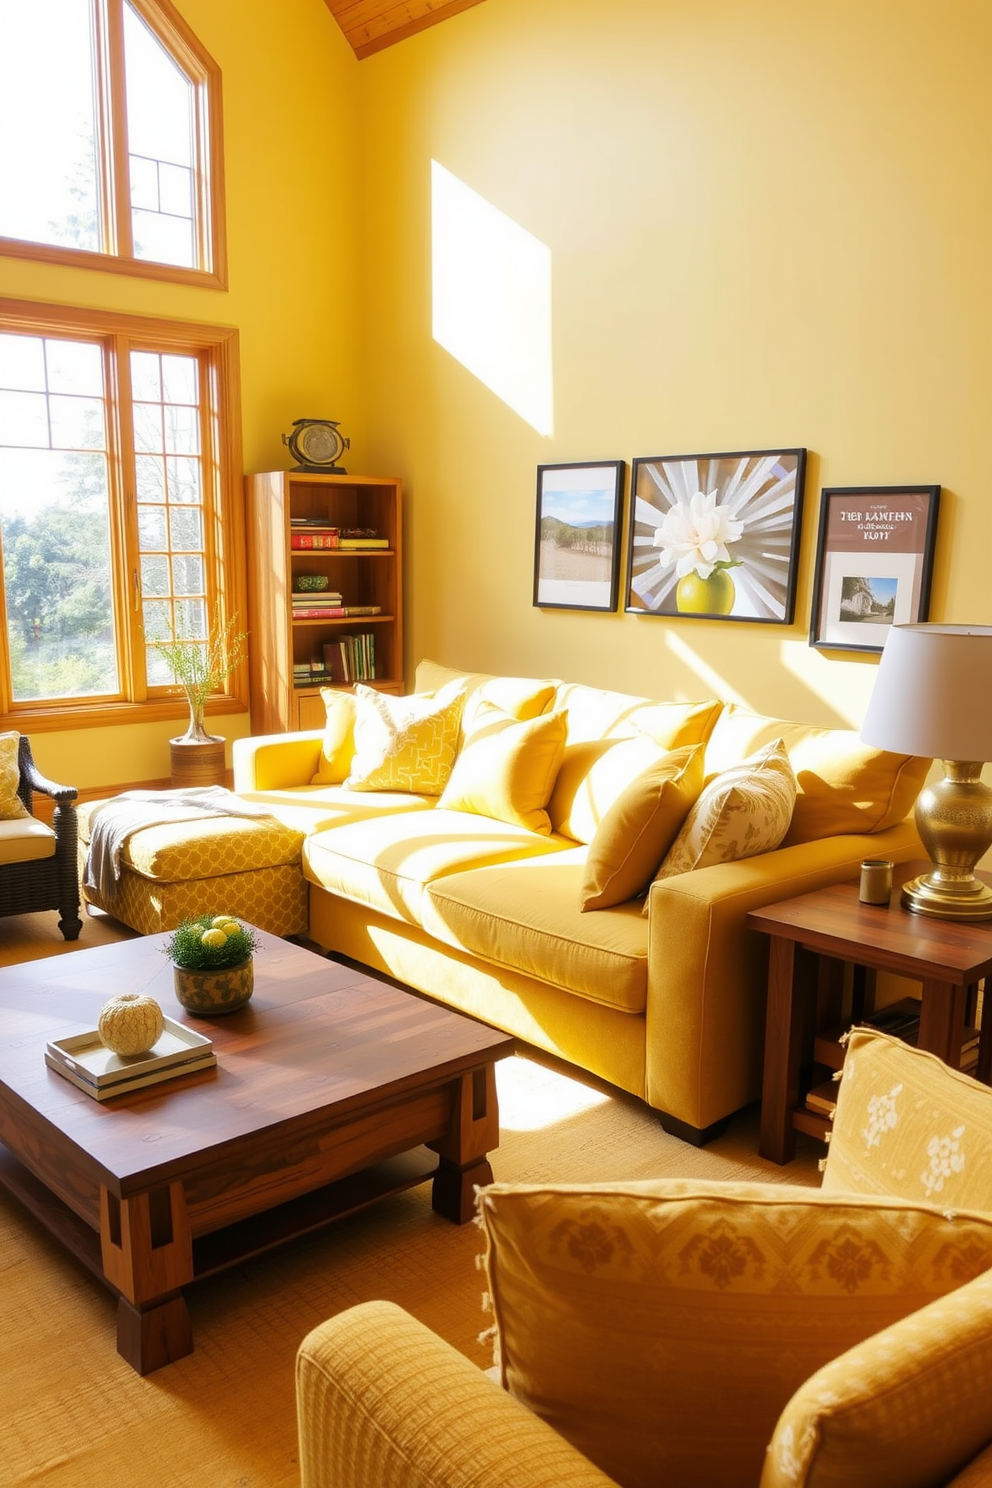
(577, 547)
(716, 536)
(874, 561)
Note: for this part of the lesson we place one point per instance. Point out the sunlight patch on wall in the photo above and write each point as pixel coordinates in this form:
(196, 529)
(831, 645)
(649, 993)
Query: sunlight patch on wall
(718, 685)
(845, 689)
(491, 298)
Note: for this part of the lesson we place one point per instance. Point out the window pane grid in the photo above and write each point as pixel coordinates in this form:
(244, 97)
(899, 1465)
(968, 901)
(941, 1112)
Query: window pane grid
(171, 526)
(55, 520)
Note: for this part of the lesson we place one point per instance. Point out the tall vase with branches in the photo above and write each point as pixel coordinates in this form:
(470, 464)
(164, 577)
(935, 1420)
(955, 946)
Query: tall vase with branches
(199, 666)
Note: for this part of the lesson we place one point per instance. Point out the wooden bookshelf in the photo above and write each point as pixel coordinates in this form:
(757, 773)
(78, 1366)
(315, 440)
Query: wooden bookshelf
(279, 642)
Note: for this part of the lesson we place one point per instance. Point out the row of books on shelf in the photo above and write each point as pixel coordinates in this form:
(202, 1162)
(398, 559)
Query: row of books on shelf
(312, 534)
(902, 1020)
(350, 658)
(332, 611)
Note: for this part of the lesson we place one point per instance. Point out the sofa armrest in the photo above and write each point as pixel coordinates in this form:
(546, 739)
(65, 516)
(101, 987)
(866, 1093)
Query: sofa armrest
(276, 761)
(382, 1402)
(707, 971)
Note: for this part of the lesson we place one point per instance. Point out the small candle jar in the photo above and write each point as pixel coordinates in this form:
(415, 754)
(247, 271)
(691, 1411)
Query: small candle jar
(876, 881)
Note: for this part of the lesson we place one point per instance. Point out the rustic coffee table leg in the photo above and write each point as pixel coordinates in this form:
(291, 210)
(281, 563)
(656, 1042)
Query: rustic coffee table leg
(147, 1255)
(472, 1134)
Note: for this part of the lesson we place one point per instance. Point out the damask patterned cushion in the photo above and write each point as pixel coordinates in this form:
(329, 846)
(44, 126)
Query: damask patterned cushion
(662, 1327)
(639, 828)
(507, 769)
(405, 743)
(337, 747)
(742, 812)
(11, 805)
(909, 1406)
(907, 1124)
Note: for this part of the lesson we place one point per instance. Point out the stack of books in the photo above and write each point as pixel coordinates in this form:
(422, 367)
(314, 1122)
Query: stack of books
(350, 658)
(310, 674)
(354, 538)
(313, 534)
(316, 604)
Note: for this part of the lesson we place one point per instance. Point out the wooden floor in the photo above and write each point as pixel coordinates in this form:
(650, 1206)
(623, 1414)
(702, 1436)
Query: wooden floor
(31, 937)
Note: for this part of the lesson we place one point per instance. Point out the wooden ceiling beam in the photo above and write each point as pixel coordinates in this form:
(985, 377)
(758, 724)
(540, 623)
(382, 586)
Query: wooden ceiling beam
(372, 25)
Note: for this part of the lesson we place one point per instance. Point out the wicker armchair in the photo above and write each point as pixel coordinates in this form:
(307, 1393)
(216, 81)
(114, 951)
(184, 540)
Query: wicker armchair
(42, 878)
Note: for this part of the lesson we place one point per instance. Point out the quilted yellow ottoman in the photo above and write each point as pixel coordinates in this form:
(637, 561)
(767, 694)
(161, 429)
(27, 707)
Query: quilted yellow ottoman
(243, 866)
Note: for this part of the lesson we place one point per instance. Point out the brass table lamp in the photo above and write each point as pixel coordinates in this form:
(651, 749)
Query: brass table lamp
(933, 697)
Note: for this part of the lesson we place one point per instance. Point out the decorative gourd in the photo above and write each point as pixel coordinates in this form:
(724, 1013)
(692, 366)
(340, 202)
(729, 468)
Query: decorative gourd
(130, 1023)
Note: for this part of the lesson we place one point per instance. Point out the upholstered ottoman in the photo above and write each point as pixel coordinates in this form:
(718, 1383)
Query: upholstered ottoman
(243, 866)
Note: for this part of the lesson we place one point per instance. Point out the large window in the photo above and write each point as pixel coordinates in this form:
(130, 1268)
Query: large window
(120, 512)
(110, 152)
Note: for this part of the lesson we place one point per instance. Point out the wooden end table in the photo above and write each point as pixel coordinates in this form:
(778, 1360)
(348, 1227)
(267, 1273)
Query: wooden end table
(947, 957)
(329, 1089)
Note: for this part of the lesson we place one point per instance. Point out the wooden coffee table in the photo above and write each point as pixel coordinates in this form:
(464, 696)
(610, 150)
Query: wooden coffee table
(329, 1087)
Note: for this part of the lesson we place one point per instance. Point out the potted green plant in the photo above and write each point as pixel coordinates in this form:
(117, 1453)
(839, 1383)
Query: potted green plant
(200, 665)
(212, 965)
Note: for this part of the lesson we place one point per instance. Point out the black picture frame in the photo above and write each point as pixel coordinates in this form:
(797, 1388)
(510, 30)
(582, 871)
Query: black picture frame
(874, 564)
(577, 535)
(753, 499)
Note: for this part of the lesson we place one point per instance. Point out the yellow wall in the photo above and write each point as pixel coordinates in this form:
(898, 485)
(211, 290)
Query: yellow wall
(290, 122)
(770, 225)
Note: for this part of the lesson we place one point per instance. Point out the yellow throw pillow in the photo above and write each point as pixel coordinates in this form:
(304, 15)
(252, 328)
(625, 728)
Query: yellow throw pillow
(908, 1406)
(907, 1124)
(11, 805)
(844, 785)
(405, 743)
(338, 745)
(507, 769)
(662, 1327)
(519, 697)
(639, 828)
(743, 812)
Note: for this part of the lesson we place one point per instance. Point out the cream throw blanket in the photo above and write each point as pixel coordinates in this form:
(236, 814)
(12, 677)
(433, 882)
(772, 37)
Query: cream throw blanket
(114, 822)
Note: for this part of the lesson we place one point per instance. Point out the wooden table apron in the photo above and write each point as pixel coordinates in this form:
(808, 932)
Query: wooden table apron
(946, 957)
(328, 1087)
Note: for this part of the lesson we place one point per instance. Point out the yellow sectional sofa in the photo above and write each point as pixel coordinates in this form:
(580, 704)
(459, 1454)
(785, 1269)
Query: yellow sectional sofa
(662, 995)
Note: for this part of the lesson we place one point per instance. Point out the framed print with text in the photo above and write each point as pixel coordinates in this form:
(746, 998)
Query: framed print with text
(577, 546)
(716, 536)
(874, 562)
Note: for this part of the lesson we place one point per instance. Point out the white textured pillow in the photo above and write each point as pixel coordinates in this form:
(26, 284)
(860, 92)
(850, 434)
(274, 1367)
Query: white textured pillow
(405, 743)
(744, 811)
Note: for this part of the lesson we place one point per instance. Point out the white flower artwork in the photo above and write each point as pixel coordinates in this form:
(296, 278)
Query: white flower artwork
(716, 536)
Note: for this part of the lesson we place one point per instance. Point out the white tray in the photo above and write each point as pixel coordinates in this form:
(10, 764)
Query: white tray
(84, 1059)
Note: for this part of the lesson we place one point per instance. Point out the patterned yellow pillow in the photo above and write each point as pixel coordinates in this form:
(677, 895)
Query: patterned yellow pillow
(662, 1327)
(742, 812)
(507, 768)
(405, 743)
(338, 745)
(639, 828)
(908, 1406)
(11, 805)
(907, 1124)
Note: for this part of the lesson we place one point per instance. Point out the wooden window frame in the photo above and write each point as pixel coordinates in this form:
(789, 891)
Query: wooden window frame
(209, 216)
(224, 541)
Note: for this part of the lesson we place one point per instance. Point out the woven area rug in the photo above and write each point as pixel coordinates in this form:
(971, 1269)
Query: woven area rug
(74, 1415)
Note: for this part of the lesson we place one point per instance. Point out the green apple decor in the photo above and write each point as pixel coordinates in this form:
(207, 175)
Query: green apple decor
(694, 536)
(213, 970)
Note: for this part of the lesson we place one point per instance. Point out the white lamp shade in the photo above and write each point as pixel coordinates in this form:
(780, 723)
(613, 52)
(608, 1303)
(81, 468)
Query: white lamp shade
(933, 693)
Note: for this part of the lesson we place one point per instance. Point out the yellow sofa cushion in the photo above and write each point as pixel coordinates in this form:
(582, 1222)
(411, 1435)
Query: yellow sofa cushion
(640, 827)
(595, 769)
(844, 785)
(909, 1125)
(525, 916)
(337, 747)
(25, 839)
(11, 805)
(386, 862)
(910, 1405)
(203, 848)
(662, 1327)
(507, 768)
(405, 743)
(744, 811)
